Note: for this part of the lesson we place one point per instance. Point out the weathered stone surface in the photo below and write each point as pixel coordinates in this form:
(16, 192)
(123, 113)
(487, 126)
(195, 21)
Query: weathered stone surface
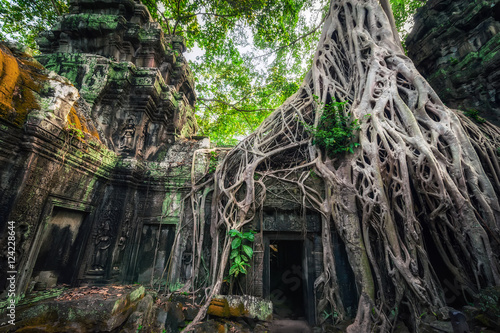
(137, 83)
(241, 306)
(31, 94)
(436, 326)
(455, 45)
(102, 145)
(93, 313)
(53, 162)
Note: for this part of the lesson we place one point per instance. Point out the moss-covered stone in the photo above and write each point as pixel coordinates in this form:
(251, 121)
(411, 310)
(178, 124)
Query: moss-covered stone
(455, 45)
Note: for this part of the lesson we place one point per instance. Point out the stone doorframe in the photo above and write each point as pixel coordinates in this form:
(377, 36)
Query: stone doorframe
(62, 202)
(307, 265)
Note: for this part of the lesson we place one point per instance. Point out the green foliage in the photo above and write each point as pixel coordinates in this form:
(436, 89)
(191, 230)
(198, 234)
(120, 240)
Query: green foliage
(488, 301)
(246, 69)
(75, 132)
(175, 286)
(474, 115)
(335, 132)
(403, 11)
(334, 315)
(253, 54)
(241, 253)
(23, 20)
(214, 160)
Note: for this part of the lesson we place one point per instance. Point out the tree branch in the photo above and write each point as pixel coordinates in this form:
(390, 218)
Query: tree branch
(296, 40)
(166, 21)
(207, 14)
(56, 8)
(177, 21)
(231, 105)
(386, 6)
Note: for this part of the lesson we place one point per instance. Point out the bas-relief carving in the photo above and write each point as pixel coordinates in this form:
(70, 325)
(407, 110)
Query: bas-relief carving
(134, 104)
(126, 143)
(121, 245)
(118, 111)
(290, 221)
(102, 245)
(103, 238)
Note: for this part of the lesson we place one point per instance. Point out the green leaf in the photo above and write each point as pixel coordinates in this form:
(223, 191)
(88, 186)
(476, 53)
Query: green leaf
(234, 233)
(234, 253)
(249, 235)
(236, 243)
(248, 251)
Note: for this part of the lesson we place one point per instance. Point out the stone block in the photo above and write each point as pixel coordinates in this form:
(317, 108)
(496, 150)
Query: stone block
(226, 306)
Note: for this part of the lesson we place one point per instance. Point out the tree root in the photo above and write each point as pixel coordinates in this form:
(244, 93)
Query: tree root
(424, 177)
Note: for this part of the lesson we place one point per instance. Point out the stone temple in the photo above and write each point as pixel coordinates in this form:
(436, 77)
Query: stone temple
(96, 158)
(98, 153)
(99, 148)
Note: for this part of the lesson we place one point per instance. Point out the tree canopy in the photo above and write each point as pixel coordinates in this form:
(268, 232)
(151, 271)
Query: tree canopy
(251, 54)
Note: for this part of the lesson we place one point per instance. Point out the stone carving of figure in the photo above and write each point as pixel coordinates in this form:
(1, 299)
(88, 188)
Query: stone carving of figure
(102, 245)
(120, 248)
(127, 136)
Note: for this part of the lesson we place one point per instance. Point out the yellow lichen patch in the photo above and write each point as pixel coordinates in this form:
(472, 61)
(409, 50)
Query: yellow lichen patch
(24, 82)
(18, 85)
(80, 124)
(219, 308)
(9, 76)
(238, 310)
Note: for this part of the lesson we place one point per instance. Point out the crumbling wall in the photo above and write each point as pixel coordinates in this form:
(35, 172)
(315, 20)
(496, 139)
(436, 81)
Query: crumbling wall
(80, 202)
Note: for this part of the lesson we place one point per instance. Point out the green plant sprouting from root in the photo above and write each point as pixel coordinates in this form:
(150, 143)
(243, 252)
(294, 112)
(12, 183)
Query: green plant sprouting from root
(335, 132)
(213, 160)
(241, 253)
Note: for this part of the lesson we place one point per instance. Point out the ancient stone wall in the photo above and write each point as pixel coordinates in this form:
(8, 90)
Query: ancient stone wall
(455, 45)
(135, 79)
(96, 157)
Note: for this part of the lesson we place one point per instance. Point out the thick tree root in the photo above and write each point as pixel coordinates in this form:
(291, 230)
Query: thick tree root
(425, 178)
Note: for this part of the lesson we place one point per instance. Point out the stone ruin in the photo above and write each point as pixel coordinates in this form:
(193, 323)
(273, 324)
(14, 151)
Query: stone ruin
(96, 158)
(98, 151)
(455, 46)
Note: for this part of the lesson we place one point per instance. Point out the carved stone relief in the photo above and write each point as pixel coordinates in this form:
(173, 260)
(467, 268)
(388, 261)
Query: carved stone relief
(102, 241)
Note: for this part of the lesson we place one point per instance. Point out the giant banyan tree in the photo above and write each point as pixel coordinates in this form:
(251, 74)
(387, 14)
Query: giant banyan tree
(415, 204)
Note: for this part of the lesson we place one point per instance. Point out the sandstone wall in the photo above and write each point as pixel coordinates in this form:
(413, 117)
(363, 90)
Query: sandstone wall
(83, 213)
(455, 45)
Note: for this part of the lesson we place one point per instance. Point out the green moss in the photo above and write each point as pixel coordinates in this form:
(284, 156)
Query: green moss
(265, 311)
(93, 22)
(137, 294)
(487, 52)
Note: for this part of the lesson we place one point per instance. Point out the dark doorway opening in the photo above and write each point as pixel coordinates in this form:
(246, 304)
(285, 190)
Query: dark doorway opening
(154, 252)
(287, 282)
(61, 244)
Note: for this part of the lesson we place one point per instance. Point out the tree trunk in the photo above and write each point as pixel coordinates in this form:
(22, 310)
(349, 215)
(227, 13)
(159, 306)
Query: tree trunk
(423, 178)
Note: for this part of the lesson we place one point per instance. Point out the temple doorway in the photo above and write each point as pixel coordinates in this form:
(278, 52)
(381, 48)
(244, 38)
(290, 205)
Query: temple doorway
(61, 247)
(288, 277)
